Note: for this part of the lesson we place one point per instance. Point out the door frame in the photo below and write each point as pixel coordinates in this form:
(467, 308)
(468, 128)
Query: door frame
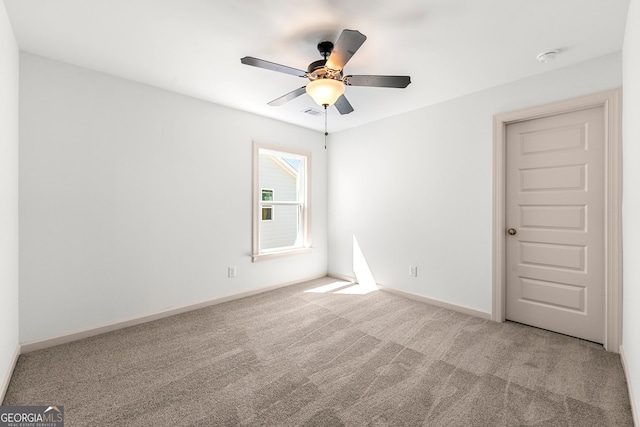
(611, 103)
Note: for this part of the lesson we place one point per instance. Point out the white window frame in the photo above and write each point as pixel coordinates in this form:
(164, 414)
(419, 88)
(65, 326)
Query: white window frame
(304, 202)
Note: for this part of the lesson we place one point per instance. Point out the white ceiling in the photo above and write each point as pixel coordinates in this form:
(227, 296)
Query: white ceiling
(448, 47)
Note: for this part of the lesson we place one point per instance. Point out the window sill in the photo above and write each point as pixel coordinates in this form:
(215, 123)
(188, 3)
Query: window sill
(281, 254)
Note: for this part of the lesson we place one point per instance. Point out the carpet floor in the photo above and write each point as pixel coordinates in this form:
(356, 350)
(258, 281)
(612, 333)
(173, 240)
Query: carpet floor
(321, 354)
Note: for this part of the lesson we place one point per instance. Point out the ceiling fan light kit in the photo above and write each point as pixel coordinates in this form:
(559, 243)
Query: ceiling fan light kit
(326, 81)
(325, 92)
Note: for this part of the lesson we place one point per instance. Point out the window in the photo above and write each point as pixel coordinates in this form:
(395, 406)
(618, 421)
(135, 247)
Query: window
(281, 214)
(267, 213)
(267, 210)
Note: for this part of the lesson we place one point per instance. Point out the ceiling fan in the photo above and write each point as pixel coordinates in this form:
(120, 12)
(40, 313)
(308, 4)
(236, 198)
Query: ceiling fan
(326, 79)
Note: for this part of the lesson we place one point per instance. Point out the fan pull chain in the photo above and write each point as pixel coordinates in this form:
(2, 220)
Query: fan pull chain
(325, 126)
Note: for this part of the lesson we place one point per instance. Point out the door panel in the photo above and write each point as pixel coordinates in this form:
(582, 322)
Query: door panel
(558, 295)
(553, 178)
(565, 217)
(555, 203)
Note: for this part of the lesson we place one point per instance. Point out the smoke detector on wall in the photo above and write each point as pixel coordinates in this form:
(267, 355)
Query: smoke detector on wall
(548, 56)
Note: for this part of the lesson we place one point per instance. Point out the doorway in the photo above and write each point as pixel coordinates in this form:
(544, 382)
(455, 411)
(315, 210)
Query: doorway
(553, 298)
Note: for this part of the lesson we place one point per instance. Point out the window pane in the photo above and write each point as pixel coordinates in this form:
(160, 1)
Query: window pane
(267, 213)
(280, 175)
(281, 231)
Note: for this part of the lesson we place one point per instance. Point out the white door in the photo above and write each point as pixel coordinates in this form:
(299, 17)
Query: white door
(555, 223)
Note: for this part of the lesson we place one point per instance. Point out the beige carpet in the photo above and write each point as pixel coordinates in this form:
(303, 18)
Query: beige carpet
(295, 358)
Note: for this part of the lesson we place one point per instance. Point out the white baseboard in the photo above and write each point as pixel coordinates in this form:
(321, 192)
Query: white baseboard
(634, 409)
(4, 386)
(426, 300)
(29, 346)
(343, 277)
(438, 303)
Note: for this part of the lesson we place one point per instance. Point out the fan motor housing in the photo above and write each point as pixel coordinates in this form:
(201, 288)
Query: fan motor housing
(316, 66)
(317, 70)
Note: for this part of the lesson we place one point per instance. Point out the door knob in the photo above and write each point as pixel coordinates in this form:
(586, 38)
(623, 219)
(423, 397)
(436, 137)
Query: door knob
(512, 231)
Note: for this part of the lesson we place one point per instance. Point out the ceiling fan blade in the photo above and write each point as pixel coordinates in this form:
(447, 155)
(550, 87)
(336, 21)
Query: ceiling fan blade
(348, 43)
(378, 81)
(288, 97)
(343, 105)
(261, 63)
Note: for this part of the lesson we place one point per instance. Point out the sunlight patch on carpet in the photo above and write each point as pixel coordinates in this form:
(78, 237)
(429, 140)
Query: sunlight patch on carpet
(357, 289)
(329, 288)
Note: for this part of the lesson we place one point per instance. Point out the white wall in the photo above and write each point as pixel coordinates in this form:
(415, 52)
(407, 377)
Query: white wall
(631, 201)
(416, 189)
(8, 199)
(135, 200)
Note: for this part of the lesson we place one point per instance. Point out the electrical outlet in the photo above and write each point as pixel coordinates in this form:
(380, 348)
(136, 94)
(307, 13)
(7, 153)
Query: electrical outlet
(413, 270)
(231, 271)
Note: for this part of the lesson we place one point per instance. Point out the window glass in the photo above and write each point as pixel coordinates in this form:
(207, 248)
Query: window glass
(281, 212)
(267, 195)
(267, 213)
